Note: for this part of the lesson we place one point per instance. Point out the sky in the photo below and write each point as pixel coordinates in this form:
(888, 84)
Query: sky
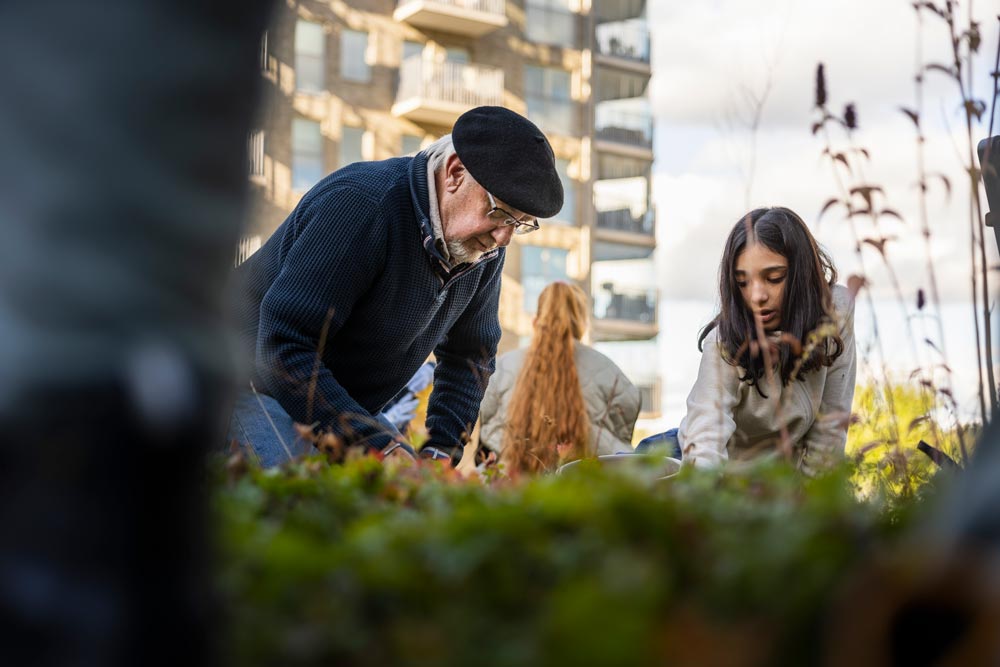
(717, 61)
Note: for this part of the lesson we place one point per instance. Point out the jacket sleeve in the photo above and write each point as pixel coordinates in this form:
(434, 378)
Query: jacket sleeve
(625, 401)
(709, 423)
(466, 359)
(333, 251)
(490, 416)
(823, 443)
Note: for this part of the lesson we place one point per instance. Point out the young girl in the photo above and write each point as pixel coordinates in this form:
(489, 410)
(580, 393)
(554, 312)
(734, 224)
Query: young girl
(778, 361)
(558, 399)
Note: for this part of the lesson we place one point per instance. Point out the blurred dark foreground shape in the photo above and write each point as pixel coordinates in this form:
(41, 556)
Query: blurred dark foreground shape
(934, 599)
(123, 128)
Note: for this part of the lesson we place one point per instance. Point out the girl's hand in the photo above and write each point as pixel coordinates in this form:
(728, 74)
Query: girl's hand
(564, 449)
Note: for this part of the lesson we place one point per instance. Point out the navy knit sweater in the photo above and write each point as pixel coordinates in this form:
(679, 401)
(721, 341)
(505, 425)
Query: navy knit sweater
(349, 296)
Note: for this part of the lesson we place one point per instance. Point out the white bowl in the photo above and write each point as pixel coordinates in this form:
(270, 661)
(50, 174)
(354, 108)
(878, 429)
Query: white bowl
(640, 465)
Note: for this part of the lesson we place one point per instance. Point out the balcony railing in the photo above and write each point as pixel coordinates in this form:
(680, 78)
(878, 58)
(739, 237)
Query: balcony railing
(496, 7)
(439, 92)
(623, 220)
(633, 305)
(472, 18)
(649, 393)
(624, 128)
(624, 40)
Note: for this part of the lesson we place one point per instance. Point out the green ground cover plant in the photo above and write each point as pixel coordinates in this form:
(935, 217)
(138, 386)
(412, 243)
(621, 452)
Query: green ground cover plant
(357, 564)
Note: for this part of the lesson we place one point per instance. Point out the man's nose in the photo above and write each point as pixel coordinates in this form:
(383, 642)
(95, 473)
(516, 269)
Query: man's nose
(503, 234)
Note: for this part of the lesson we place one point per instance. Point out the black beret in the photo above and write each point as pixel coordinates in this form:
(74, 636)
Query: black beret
(509, 156)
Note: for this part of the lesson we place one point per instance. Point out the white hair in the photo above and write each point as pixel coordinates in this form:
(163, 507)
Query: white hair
(439, 152)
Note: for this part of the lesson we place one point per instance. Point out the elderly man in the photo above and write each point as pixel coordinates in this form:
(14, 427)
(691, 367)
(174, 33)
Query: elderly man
(380, 264)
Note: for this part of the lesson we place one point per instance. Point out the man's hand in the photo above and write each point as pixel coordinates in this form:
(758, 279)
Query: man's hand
(398, 453)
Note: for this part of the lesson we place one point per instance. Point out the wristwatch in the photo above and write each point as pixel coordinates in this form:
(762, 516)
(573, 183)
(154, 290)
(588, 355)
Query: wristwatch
(436, 453)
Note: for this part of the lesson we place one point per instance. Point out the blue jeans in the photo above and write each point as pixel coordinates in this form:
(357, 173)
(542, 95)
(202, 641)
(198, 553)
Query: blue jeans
(265, 431)
(665, 443)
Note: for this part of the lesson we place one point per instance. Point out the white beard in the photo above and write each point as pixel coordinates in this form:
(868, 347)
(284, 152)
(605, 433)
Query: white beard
(460, 254)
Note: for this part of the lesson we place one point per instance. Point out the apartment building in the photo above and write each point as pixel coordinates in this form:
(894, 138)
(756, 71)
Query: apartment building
(372, 79)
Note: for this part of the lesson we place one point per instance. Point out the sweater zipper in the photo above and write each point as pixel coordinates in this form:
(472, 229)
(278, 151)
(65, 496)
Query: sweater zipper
(455, 276)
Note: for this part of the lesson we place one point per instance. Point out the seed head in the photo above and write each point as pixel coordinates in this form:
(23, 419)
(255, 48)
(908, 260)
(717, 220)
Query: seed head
(820, 87)
(850, 117)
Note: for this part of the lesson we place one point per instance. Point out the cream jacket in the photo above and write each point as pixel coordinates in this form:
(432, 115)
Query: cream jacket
(728, 419)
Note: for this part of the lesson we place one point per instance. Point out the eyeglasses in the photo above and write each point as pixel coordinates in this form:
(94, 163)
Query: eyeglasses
(507, 219)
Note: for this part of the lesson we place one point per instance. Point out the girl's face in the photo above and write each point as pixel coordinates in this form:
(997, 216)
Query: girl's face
(761, 274)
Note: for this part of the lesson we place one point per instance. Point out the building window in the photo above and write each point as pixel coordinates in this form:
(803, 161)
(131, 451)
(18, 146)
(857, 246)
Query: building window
(412, 49)
(455, 54)
(539, 267)
(649, 394)
(310, 54)
(411, 143)
(568, 212)
(550, 22)
(351, 145)
(548, 93)
(307, 154)
(255, 153)
(353, 56)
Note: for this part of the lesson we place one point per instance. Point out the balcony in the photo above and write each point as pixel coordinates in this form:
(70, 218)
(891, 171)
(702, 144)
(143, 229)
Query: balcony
(617, 83)
(625, 314)
(471, 18)
(618, 10)
(624, 44)
(623, 132)
(612, 166)
(617, 132)
(437, 93)
(624, 220)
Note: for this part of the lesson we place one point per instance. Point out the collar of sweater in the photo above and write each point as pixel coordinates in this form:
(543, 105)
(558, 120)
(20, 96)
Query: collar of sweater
(435, 215)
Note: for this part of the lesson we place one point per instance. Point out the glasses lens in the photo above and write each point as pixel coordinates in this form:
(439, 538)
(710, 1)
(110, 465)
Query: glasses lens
(506, 219)
(526, 227)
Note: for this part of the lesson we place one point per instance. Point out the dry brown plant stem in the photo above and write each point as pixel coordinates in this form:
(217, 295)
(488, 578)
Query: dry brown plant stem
(852, 212)
(962, 64)
(925, 230)
(923, 180)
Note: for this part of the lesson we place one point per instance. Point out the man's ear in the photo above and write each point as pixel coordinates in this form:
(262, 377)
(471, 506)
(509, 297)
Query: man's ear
(454, 173)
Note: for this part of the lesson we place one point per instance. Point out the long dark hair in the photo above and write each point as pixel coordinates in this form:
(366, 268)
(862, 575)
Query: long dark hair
(807, 302)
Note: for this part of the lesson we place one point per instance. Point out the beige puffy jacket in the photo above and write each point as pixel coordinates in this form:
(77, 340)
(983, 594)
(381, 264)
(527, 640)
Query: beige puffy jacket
(612, 400)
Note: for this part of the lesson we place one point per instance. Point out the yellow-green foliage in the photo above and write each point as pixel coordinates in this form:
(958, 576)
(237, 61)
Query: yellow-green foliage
(889, 420)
